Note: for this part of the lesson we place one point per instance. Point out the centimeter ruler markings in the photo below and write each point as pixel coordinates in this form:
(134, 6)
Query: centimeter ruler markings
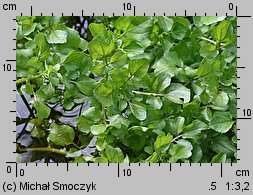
(19, 172)
(127, 172)
(129, 8)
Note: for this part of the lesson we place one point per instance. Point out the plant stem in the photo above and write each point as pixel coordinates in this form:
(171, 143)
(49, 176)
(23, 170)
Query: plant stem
(209, 40)
(177, 137)
(104, 115)
(76, 146)
(50, 150)
(29, 78)
(147, 93)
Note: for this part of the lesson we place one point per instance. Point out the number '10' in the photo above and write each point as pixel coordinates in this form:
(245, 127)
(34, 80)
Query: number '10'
(7, 67)
(246, 112)
(127, 6)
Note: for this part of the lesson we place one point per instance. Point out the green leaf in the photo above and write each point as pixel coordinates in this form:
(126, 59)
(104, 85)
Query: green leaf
(196, 125)
(182, 149)
(221, 101)
(42, 110)
(208, 51)
(165, 66)
(93, 113)
(222, 143)
(132, 141)
(101, 160)
(84, 124)
(98, 129)
(86, 85)
(74, 60)
(180, 28)
(103, 93)
(118, 121)
(83, 45)
(22, 57)
(139, 67)
(138, 110)
(118, 57)
(220, 32)
(176, 125)
(162, 81)
(155, 102)
(122, 105)
(100, 47)
(173, 58)
(28, 28)
(46, 92)
(204, 69)
(219, 158)
(188, 50)
(197, 153)
(133, 49)
(162, 140)
(57, 37)
(41, 41)
(68, 105)
(149, 149)
(27, 88)
(97, 29)
(207, 20)
(165, 23)
(120, 76)
(72, 43)
(178, 93)
(61, 135)
(221, 122)
(114, 155)
(124, 23)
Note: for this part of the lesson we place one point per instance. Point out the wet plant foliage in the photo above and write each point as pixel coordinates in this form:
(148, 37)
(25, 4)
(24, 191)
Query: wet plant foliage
(148, 89)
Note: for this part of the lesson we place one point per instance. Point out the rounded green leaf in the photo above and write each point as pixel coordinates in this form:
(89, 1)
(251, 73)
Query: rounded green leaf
(98, 129)
(42, 110)
(222, 99)
(86, 85)
(139, 67)
(222, 143)
(100, 47)
(61, 134)
(197, 153)
(221, 30)
(138, 109)
(103, 93)
(114, 155)
(208, 51)
(165, 23)
(178, 93)
(41, 41)
(207, 20)
(165, 66)
(74, 60)
(97, 29)
(219, 158)
(182, 149)
(57, 36)
(162, 140)
(221, 122)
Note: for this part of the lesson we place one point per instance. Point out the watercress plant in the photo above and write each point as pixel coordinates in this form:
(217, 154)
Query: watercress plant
(156, 89)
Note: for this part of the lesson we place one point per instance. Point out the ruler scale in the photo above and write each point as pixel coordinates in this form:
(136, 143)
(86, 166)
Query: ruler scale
(135, 178)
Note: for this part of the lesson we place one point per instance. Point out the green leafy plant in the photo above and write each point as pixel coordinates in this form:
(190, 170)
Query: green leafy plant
(156, 89)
